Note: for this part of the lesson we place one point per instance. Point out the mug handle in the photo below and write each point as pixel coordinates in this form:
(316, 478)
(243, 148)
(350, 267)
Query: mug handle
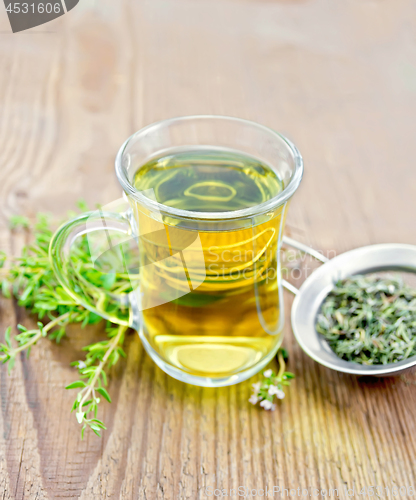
(72, 266)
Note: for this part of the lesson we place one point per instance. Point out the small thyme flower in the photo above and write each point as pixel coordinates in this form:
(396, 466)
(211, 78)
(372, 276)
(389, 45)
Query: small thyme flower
(253, 399)
(275, 391)
(268, 405)
(256, 387)
(271, 385)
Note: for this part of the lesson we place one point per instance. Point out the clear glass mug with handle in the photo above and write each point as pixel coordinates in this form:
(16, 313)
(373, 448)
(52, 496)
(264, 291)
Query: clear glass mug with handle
(190, 255)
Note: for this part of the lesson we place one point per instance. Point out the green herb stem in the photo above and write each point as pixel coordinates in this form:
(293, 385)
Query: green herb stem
(41, 332)
(282, 364)
(111, 346)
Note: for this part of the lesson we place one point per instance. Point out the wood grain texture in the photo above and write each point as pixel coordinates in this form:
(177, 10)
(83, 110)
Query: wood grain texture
(339, 78)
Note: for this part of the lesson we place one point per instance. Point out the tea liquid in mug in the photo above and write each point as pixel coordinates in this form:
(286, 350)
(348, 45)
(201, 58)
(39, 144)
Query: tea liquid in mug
(232, 319)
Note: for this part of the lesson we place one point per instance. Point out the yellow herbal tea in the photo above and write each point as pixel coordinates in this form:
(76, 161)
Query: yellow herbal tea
(230, 320)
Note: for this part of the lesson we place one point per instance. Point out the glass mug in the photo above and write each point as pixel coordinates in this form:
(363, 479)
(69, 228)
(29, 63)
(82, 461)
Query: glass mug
(202, 288)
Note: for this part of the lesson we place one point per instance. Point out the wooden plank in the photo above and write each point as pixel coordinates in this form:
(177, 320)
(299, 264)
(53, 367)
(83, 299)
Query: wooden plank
(339, 80)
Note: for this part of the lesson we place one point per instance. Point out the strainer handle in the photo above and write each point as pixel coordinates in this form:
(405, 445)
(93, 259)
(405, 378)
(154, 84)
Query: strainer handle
(303, 248)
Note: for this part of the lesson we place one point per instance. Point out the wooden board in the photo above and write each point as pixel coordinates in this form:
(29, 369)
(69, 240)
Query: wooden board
(339, 79)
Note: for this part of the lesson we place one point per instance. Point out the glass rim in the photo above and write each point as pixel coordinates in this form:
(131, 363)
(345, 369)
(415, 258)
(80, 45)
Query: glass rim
(264, 207)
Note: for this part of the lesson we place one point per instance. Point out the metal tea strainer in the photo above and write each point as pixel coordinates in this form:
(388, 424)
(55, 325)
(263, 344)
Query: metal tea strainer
(310, 296)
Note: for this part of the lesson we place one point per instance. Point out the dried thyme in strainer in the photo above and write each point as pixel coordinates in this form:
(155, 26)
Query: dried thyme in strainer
(370, 320)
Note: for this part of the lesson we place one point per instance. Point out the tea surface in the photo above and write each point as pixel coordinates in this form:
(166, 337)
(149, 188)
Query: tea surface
(208, 181)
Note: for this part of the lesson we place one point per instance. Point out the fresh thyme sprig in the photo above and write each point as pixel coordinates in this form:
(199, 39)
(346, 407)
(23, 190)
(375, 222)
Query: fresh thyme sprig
(31, 280)
(27, 338)
(370, 320)
(94, 379)
(272, 384)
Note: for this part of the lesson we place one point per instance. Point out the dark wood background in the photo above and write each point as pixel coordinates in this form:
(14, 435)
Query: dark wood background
(339, 79)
